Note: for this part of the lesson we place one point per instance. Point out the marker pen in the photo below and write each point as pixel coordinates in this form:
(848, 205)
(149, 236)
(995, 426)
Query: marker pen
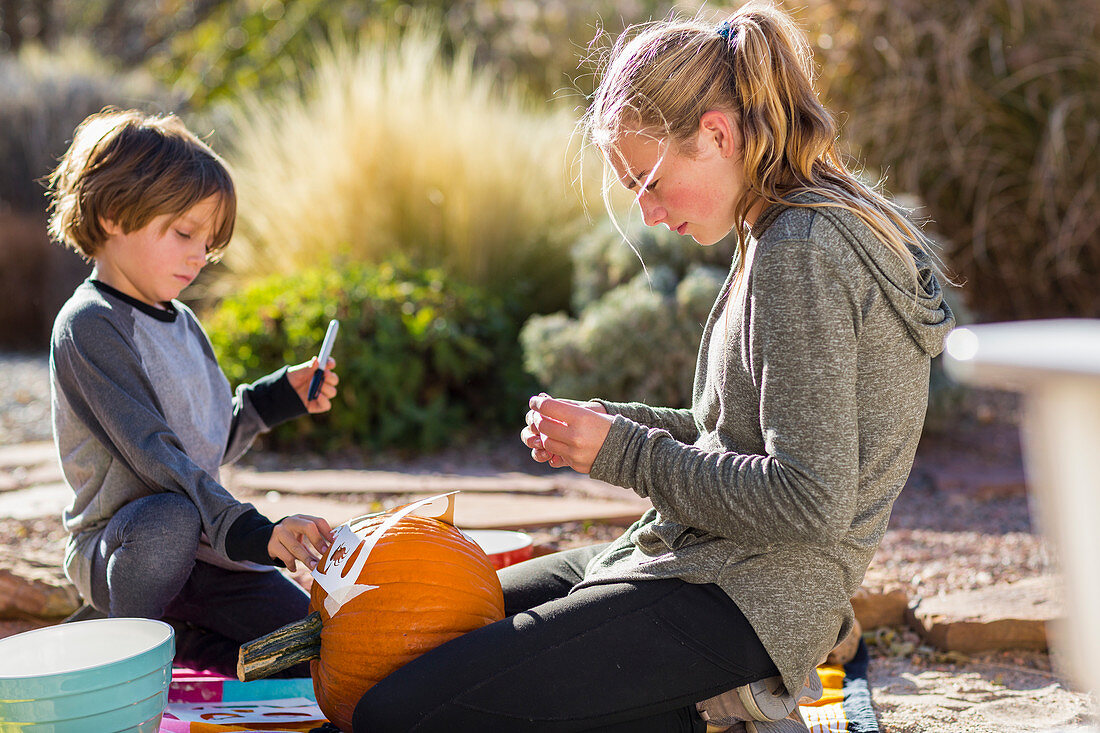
(322, 360)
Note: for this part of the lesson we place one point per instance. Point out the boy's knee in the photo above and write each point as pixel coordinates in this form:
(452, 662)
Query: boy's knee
(167, 521)
(178, 511)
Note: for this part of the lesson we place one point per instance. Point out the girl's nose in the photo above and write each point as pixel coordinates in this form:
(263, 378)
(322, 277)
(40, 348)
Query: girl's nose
(652, 214)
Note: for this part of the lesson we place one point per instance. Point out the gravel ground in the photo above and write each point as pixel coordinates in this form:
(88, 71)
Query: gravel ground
(24, 398)
(928, 548)
(940, 540)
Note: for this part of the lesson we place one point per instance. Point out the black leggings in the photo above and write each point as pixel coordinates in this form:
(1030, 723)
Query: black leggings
(618, 657)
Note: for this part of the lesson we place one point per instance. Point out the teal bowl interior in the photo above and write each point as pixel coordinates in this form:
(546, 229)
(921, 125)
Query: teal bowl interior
(102, 675)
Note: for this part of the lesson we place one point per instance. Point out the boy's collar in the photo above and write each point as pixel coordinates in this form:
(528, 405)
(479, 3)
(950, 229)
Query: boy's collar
(168, 314)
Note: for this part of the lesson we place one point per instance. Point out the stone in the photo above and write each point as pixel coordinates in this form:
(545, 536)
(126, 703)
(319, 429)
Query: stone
(45, 473)
(35, 588)
(874, 609)
(382, 482)
(37, 501)
(1003, 616)
(496, 511)
(11, 628)
(472, 510)
(350, 481)
(845, 651)
(27, 454)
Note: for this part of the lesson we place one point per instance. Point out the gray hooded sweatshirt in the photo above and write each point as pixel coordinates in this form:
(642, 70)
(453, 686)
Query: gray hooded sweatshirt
(809, 399)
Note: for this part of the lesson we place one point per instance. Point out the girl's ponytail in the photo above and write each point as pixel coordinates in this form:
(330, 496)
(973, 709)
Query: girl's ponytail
(758, 67)
(786, 131)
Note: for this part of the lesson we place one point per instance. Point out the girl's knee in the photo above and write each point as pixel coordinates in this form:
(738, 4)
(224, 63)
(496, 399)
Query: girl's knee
(377, 710)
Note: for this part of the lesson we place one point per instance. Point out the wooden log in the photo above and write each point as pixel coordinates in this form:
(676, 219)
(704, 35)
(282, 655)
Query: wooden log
(281, 649)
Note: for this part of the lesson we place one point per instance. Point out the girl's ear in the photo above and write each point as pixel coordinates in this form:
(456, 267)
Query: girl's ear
(716, 128)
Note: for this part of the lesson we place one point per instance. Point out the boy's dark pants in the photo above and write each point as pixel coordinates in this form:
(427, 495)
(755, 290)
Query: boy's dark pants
(145, 567)
(624, 657)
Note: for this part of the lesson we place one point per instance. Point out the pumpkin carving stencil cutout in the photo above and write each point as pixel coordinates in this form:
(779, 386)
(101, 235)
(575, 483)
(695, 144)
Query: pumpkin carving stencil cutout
(342, 584)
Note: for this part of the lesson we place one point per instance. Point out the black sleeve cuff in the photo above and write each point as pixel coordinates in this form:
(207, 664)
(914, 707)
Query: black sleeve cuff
(247, 539)
(275, 400)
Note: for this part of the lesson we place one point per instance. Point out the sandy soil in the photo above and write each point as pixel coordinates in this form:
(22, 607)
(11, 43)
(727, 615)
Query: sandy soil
(983, 695)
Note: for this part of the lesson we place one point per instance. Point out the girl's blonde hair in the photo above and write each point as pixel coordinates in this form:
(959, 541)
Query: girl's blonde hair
(128, 167)
(756, 65)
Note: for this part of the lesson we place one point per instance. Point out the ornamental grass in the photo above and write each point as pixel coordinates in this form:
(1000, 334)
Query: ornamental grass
(989, 111)
(387, 148)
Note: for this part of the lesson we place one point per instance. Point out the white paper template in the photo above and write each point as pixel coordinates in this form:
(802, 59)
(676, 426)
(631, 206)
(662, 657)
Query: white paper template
(338, 577)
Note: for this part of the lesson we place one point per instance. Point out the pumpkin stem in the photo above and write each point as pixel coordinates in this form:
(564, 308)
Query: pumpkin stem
(281, 649)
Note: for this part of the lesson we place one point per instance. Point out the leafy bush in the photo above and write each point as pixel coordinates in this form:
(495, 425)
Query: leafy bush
(391, 148)
(637, 332)
(422, 358)
(988, 111)
(602, 261)
(218, 50)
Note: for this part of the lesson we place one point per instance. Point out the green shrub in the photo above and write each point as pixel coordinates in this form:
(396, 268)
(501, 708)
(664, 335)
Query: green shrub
(217, 50)
(602, 261)
(987, 110)
(637, 333)
(422, 359)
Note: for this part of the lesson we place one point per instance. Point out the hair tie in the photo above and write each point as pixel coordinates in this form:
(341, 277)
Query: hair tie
(727, 31)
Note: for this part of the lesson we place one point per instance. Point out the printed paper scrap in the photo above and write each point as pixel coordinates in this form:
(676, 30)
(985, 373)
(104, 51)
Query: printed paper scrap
(287, 711)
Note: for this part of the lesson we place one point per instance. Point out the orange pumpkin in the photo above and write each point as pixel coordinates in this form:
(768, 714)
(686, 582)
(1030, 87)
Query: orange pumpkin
(427, 585)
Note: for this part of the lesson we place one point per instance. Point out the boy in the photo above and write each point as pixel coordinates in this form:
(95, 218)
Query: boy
(143, 416)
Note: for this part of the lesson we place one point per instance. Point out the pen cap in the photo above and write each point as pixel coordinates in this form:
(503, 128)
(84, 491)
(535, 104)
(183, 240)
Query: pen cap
(326, 345)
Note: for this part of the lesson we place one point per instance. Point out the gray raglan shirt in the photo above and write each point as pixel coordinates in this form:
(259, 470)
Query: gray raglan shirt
(809, 399)
(140, 406)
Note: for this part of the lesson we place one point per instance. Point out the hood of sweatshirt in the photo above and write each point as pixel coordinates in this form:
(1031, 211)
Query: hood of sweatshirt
(919, 303)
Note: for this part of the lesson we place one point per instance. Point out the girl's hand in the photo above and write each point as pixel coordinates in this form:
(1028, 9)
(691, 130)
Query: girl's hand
(565, 432)
(299, 538)
(300, 376)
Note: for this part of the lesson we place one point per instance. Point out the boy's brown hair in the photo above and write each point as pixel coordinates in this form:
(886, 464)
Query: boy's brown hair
(128, 167)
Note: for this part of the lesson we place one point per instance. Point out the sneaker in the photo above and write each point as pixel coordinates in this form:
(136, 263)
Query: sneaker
(765, 700)
(811, 691)
(723, 711)
(793, 723)
(738, 727)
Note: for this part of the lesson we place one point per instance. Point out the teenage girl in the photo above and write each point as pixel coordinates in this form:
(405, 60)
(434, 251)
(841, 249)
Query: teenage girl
(772, 492)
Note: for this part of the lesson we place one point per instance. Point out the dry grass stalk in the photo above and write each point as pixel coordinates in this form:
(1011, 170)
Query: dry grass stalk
(988, 110)
(390, 148)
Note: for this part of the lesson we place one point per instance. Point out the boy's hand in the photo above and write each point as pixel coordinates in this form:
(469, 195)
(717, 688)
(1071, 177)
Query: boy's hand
(299, 538)
(300, 376)
(565, 432)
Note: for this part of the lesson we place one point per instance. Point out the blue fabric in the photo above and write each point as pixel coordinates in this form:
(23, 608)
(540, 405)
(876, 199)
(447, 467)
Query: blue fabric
(857, 694)
(267, 689)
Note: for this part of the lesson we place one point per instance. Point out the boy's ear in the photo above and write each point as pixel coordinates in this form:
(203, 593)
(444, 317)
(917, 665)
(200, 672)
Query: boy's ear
(716, 128)
(109, 226)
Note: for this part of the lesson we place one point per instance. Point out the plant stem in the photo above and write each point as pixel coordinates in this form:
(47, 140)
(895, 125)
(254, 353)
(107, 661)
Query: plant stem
(281, 649)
